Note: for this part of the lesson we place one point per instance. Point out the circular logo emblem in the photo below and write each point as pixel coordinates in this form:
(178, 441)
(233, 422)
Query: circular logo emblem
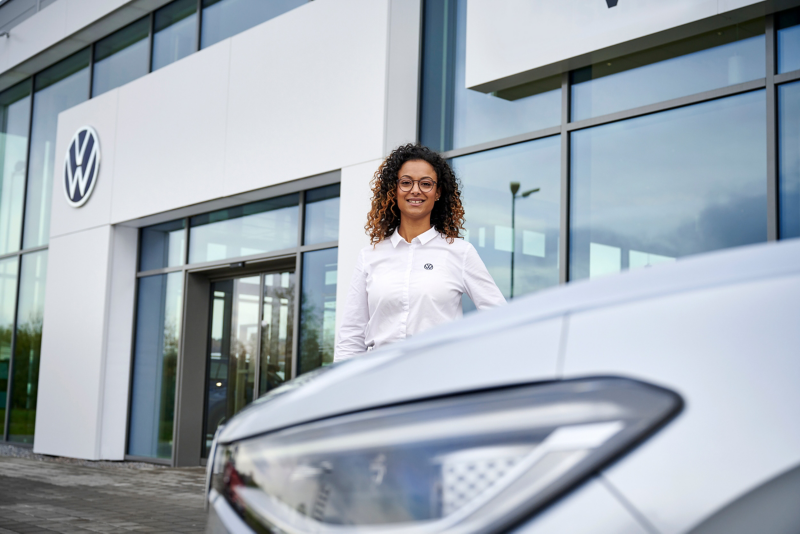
(81, 166)
(428, 266)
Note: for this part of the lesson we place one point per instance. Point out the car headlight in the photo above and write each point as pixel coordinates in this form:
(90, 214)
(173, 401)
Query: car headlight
(468, 463)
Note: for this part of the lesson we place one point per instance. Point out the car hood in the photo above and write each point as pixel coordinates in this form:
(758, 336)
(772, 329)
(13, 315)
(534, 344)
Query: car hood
(514, 344)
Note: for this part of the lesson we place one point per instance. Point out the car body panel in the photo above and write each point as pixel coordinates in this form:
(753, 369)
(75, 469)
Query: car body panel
(590, 509)
(733, 353)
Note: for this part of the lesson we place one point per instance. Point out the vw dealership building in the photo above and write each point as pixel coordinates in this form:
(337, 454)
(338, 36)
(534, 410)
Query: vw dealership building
(184, 184)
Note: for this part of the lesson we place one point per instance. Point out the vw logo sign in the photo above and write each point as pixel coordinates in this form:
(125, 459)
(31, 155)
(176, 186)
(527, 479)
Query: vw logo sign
(81, 166)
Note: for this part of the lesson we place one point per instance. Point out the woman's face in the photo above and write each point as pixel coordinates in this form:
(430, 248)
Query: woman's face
(417, 203)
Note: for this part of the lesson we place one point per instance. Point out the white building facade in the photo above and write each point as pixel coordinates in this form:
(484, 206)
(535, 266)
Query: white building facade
(185, 184)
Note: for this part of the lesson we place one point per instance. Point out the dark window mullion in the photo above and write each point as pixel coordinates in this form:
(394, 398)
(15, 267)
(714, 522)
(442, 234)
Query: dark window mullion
(773, 202)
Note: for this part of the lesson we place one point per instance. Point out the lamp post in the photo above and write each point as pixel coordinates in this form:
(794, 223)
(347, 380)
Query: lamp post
(514, 186)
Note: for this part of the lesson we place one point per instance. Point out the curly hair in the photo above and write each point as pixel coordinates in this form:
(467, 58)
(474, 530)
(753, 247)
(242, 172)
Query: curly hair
(384, 217)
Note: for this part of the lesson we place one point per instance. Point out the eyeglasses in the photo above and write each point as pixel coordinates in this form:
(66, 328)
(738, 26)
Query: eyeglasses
(426, 185)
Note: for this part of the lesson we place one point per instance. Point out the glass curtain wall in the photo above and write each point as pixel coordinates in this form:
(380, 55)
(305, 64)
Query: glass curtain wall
(174, 32)
(455, 117)
(121, 57)
(664, 153)
(8, 300)
(224, 18)
(253, 318)
(15, 116)
(155, 360)
(58, 88)
(27, 347)
(789, 161)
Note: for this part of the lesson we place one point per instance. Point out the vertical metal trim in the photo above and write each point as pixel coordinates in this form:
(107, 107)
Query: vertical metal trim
(259, 336)
(186, 238)
(199, 34)
(91, 69)
(419, 69)
(773, 202)
(298, 283)
(134, 326)
(27, 168)
(176, 422)
(150, 42)
(563, 241)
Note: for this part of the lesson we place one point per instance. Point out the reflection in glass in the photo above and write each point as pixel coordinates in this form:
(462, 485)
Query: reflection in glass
(162, 245)
(662, 186)
(276, 331)
(57, 88)
(121, 57)
(709, 61)
(174, 32)
(317, 309)
(155, 361)
(225, 18)
(233, 342)
(244, 230)
(25, 379)
(789, 41)
(529, 240)
(15, 116)
(453, 116)
(8, 295)
(789, 162)
(322, 215)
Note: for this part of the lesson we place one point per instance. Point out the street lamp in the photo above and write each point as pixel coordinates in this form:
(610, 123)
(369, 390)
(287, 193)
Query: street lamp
(514, 190)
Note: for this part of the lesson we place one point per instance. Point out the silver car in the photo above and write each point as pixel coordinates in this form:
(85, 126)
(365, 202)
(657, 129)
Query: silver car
(664, 399)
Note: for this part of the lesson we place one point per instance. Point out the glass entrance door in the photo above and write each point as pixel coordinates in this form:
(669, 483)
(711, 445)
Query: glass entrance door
(249, 345)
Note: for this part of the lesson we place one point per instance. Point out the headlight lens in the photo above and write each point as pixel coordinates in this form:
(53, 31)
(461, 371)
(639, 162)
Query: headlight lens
(476, 462)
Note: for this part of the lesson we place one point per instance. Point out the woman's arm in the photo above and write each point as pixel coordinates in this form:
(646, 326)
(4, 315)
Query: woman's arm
(352, 332)
(478, 283)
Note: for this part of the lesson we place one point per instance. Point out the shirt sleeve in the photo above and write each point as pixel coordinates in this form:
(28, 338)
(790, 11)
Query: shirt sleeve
(478, 283)
(352, 331)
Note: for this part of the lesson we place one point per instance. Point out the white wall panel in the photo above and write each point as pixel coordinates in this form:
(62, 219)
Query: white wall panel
(354, 205)
(119, 342)
(33, 35)
(732, 353)
(101, 114)
(306, 93)
(507, 38)
(170, 143)
(73, 343)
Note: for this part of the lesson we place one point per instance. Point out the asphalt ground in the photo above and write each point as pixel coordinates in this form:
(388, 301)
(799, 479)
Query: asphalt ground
(43, 494)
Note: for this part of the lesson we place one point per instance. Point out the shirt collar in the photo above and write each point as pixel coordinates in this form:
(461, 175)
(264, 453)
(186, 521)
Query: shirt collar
(423, 237)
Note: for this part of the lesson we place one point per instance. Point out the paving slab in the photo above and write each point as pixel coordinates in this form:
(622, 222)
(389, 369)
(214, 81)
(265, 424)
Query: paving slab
(39, 495)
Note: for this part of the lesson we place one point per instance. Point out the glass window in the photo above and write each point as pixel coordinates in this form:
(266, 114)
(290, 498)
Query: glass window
(8, 295)
(455, 117)
(513, 222)
(174, 32)
(162, 245)
(224, 18)
(662, 186)
(155, 360)
(276, 330)
(255, 228)
(121, 57)
(15, 116)
(789, 41)
(25, 379)
(57, 88)
(318, 309)
(322, 215)
(789, 166)
(716, 59)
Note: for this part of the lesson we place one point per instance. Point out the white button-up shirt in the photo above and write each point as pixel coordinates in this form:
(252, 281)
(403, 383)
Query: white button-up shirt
(400, 289)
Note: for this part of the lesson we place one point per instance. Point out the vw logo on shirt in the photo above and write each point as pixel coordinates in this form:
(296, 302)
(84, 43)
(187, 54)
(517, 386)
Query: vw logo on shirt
(428, 266)
(81, 166)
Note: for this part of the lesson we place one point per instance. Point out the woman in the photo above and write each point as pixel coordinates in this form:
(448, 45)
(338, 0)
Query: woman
(412, 275)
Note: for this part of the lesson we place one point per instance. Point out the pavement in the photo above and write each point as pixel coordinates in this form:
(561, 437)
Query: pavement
(41, 494)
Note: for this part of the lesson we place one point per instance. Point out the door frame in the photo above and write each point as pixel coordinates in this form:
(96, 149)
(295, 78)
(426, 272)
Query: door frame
(191, 372)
